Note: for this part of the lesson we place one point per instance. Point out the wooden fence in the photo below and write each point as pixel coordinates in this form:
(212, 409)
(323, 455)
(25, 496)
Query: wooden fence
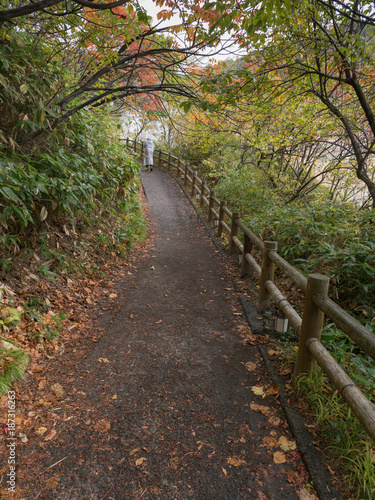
(314, 287)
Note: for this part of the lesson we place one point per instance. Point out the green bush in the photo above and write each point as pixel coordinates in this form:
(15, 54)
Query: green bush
(314, 236)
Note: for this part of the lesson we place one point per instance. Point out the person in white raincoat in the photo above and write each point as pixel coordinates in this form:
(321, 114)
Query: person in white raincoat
(148, 154)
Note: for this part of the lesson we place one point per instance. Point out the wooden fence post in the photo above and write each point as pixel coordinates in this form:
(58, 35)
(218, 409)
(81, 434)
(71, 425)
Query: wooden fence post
(127, 142)
(247, 247)
(160, 165)
(312, 321)
(211, 205)
(178, 167)
(233, 231)
(223, 204)
(203, 192)
(186, 174)
(135, 145)
(169, 162)
(194, 178)
(268, 270)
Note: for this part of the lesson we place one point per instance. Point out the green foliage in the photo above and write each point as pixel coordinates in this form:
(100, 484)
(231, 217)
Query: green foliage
(315, 236)
(9, 317)
(346, 437)
(59, 172)
(13, 365)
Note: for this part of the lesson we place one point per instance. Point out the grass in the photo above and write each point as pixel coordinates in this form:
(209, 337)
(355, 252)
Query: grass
(345, 438)
(13, 365)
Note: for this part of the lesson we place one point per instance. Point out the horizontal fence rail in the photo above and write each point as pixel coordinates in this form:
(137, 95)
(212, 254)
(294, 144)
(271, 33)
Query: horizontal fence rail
(253, 250)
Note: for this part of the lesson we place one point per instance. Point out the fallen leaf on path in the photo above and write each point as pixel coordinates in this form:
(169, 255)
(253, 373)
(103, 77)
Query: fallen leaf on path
(102, 426)
(51, 435)
(286, 445)
(104, 360)
(260, 408)
(140, 461)
(274, 421)
(112, 295)
(41, 431)
(133, 452)
(224, 472)
(272, 352)
(23, 437)
(114, 396)
(294, 477)
(273, 390)
(58, 390)
(250, 366)
(258, 391)
(236, 462)
(160, 321)
(249, 339)
(269, 441)
(279, 457)
(306, 495)
(51, 483)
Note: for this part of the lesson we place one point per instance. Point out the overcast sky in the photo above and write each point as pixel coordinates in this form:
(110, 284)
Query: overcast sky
(152, 10)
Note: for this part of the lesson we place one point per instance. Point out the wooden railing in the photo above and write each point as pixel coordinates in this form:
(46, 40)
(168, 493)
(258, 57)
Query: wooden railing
(314, 287)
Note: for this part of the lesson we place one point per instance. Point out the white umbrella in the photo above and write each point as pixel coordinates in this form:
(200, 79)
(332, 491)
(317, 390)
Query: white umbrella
(146, 135)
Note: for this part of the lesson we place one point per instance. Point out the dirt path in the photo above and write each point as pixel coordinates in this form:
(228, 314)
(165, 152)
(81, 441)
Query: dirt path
(163, 407)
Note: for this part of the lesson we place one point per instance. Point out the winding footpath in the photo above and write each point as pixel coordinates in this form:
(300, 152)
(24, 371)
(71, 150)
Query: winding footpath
(174, 401)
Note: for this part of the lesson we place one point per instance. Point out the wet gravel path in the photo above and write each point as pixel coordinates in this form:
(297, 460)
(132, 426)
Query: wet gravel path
(163, 405)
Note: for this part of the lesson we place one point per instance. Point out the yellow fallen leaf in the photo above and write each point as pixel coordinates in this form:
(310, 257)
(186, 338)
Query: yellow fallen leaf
(236, 462)
(279, 457)
(114, 396)
(285, 444)
(41, 431)
(224, 472)
(160, 321)
(104, 360)
(258, 391)
(112, 295)
(140, 461)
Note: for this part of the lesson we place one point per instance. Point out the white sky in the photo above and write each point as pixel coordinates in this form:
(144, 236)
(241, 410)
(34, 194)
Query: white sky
(152, 10)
